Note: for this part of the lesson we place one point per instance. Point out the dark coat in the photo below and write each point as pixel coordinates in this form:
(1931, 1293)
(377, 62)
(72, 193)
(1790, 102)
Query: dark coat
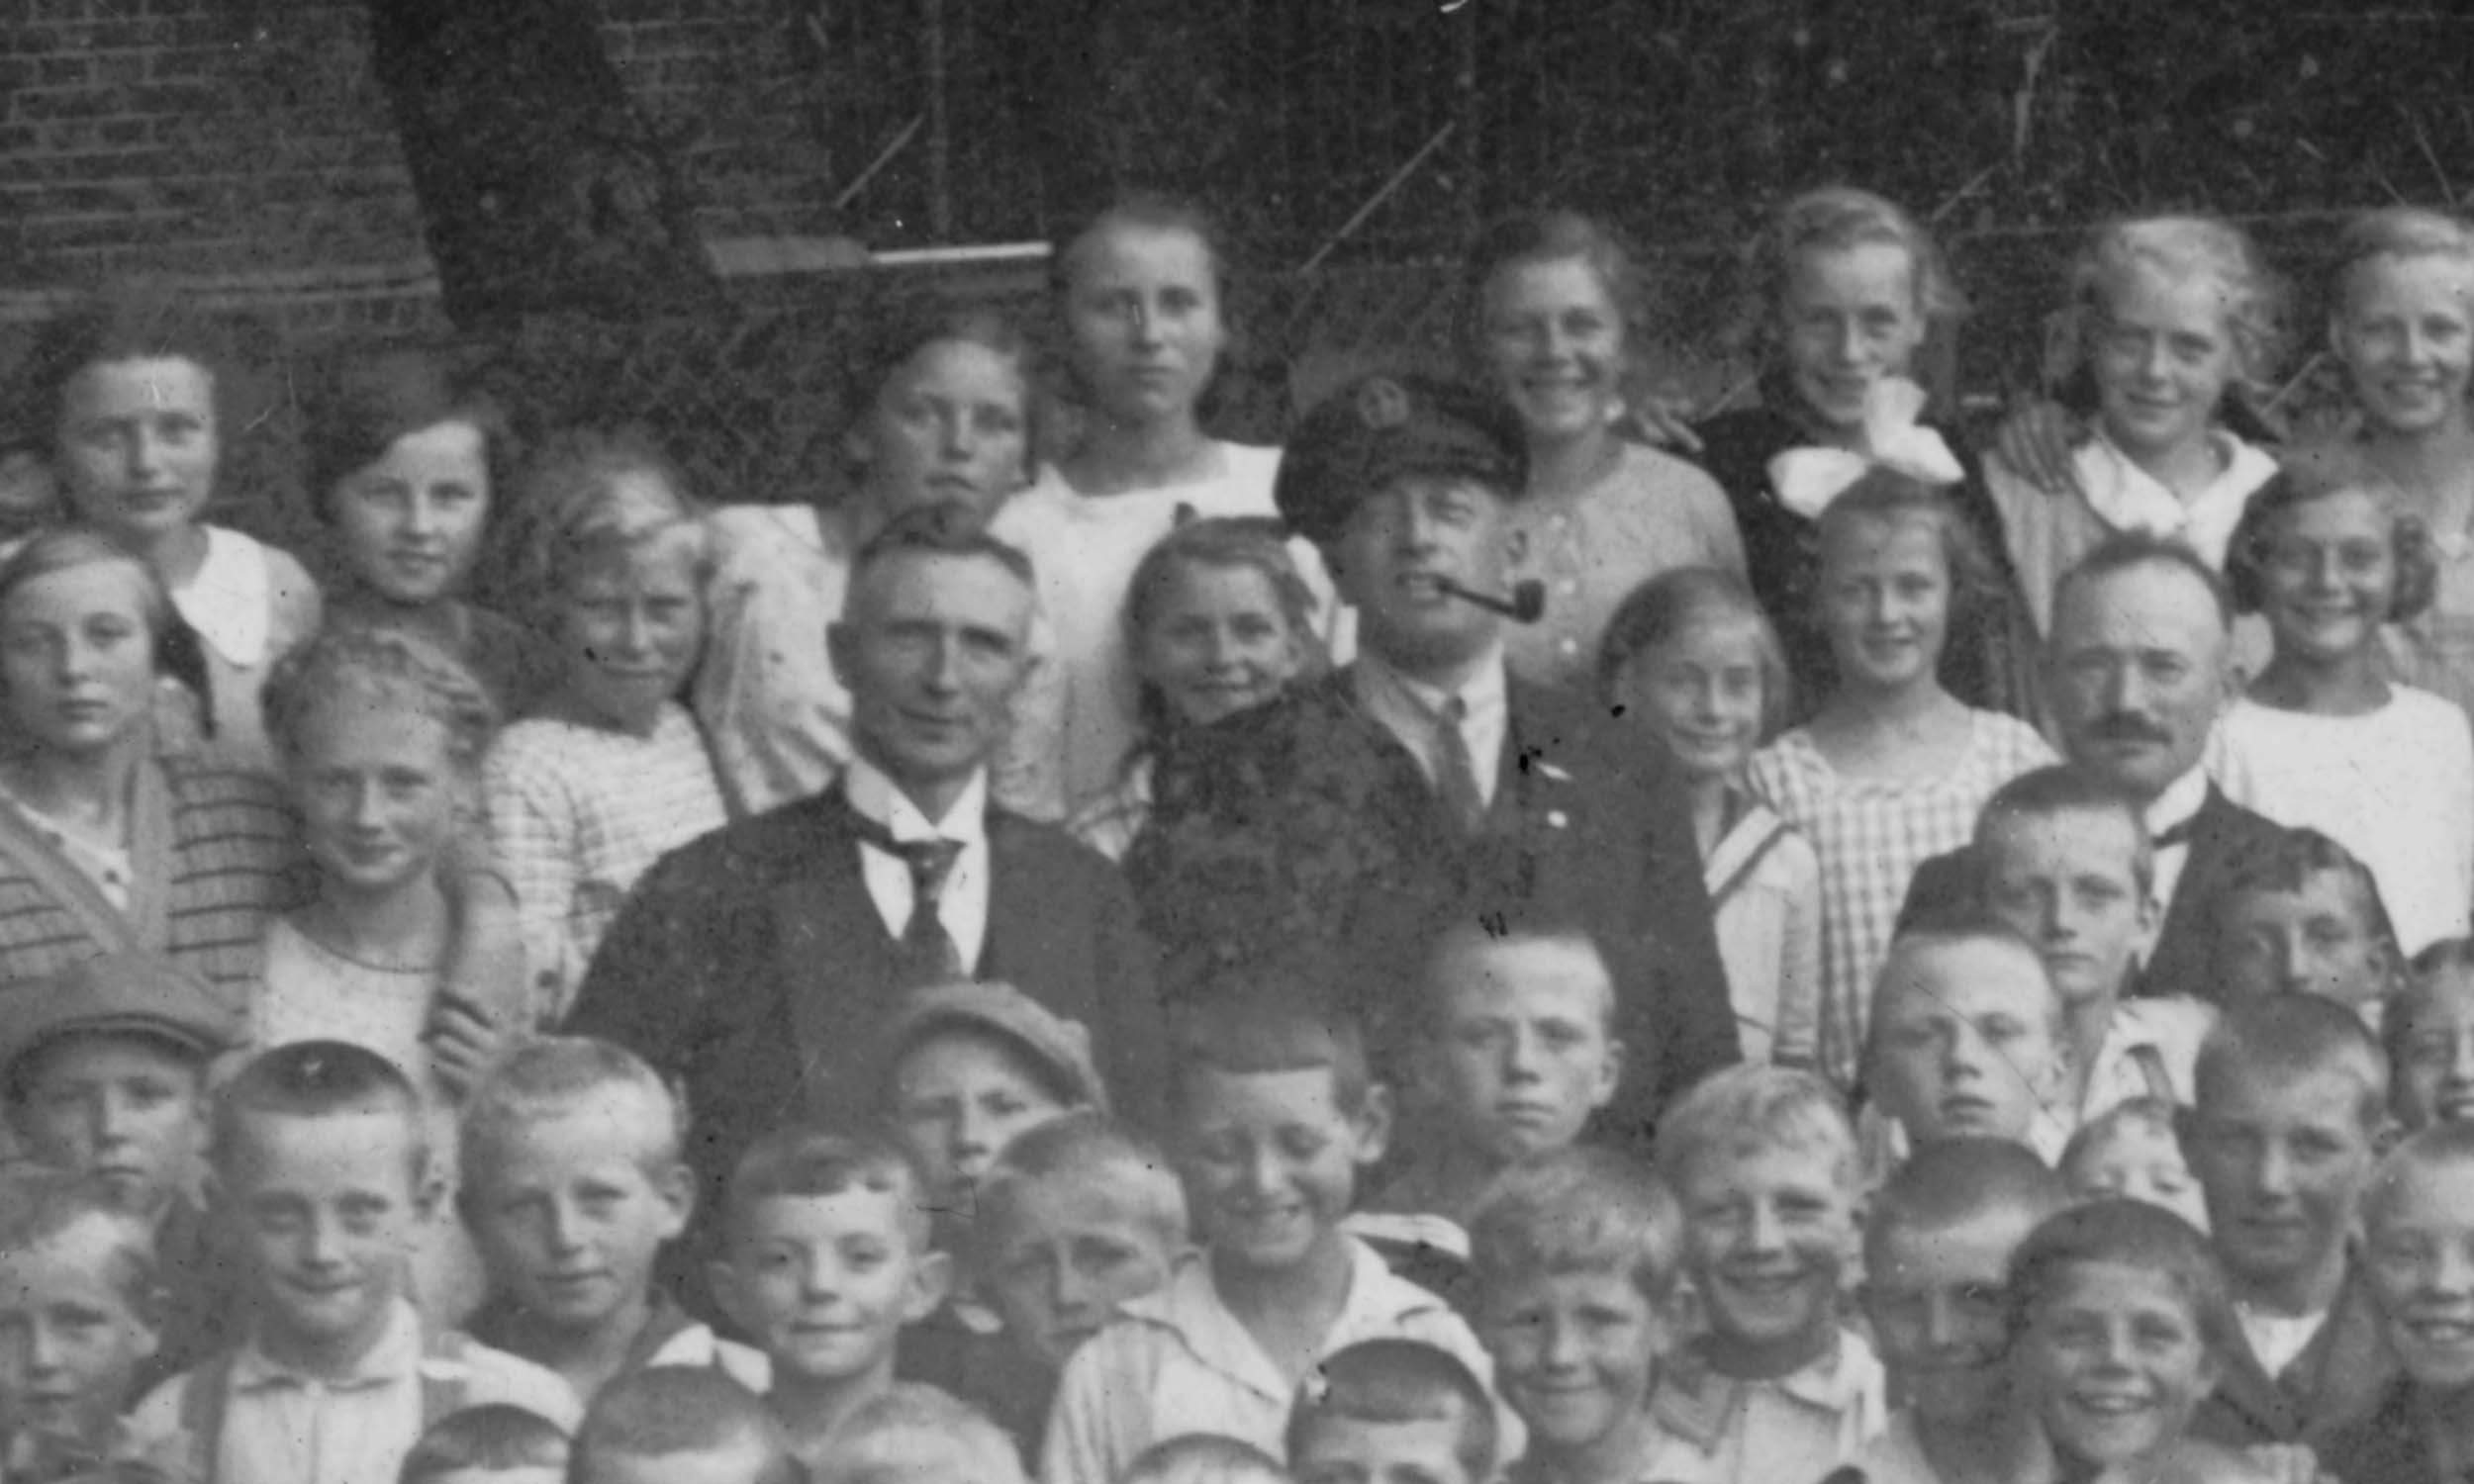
(1324, 792)
(751, 967)
(2337, 1381)
(2390, 1446)
(2223, 835)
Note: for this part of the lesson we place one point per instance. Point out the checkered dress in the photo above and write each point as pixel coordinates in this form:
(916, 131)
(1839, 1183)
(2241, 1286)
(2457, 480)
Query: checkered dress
(1870, 835)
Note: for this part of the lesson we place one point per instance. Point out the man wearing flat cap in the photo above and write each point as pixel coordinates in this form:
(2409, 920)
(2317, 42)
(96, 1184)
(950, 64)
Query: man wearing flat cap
(1405, 483)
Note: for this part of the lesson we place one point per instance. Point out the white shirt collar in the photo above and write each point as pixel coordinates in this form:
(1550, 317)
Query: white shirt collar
(875, 795)
(2130, 498)
(2179, 804)
(226, 601)
(396, 1356)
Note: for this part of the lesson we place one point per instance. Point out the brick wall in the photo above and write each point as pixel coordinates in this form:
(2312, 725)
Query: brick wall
(247, 138)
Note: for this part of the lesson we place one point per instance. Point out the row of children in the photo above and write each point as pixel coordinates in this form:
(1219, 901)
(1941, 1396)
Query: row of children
(1686, 1324)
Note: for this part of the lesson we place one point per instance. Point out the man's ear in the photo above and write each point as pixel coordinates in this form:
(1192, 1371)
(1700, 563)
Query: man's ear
(1372, 1124)
(1516, 548)
(676, 1191)
(1611, 1074)
(931, 1281)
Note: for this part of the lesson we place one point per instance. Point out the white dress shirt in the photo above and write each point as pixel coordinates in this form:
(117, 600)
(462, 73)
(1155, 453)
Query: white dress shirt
(2177, 805)
(1411, 710)
(963, 908)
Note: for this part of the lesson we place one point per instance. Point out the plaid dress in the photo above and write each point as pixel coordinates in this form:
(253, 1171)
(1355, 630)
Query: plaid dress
(1870, 835)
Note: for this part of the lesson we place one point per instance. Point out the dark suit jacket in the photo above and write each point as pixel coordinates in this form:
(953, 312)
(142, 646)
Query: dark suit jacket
(2338, 1379)
(2222, 834)
(1607, 837)
(752, 967)
(2390, 1445)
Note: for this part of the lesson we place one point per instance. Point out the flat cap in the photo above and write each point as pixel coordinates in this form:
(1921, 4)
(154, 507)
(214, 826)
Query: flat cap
(135, 994)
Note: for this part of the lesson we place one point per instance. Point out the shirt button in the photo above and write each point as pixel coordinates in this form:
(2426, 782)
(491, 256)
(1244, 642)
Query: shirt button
(1568, 645)
(1568, 585)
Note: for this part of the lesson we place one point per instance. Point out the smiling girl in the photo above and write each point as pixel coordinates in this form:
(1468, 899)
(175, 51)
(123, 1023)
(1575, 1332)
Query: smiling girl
(611, 772)
(2169, 317)
(2324, 739)
(1218, 620)
(1558, 319)
(1894, 770)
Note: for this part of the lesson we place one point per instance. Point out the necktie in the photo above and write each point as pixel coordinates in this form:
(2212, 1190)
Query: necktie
(1456, 776)
(928, 954)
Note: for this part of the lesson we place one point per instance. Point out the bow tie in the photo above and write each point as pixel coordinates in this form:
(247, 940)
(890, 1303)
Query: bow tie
(1810, 480)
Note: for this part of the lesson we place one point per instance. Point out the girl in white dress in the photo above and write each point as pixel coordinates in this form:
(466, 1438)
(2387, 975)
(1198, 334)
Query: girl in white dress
(2324, 738)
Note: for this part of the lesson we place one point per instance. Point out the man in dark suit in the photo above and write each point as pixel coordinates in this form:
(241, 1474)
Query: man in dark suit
(2137, 670)
(755, 965)
(1405, 485)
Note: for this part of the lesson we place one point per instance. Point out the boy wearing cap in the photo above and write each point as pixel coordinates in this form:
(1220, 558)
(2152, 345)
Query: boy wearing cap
(1407, 486)
(967, 1067)
(104, 1070)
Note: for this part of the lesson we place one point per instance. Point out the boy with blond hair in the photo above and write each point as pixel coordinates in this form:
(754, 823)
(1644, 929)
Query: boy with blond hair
(825, 1258)
(322, 1186)
(1574, 1257)
(1075, 1218)
(77, 1323)
(574, 1180)
(1275, 1113)
(918, 1435)
(1766, 1168)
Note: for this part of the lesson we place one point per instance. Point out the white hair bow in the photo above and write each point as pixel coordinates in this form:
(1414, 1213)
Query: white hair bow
(1809, 479)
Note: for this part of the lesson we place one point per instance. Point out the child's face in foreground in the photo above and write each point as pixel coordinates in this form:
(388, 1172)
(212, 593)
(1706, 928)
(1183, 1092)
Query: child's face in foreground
(2436, 1054)
(126, 1110)
(324, 1213)
(568, 1220)
(1349, 1450)
(1938, 1314)
(631, 626)
(2421, 1270)
(69, 1344)
(2162, 356)
(951, 427)
(1885, 600)
(2283, 1159)
(1767, 1234)
(1850, 318)
(825, 1282)
(1063, 1253)
(2112, 1361)
(2068, 882)
(2406, 333)
(1217, 642)
(1575, 1352)
(138, 445)
(2139, 1161)
(1521, 1056)
(78, 657)
(959, 1097)
(410, 522)
(378, 789)
(1271, 1162)
(1962, 1040)
(2316, 941)
(1555, 342)
(1700, 694)
(2330, 576)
